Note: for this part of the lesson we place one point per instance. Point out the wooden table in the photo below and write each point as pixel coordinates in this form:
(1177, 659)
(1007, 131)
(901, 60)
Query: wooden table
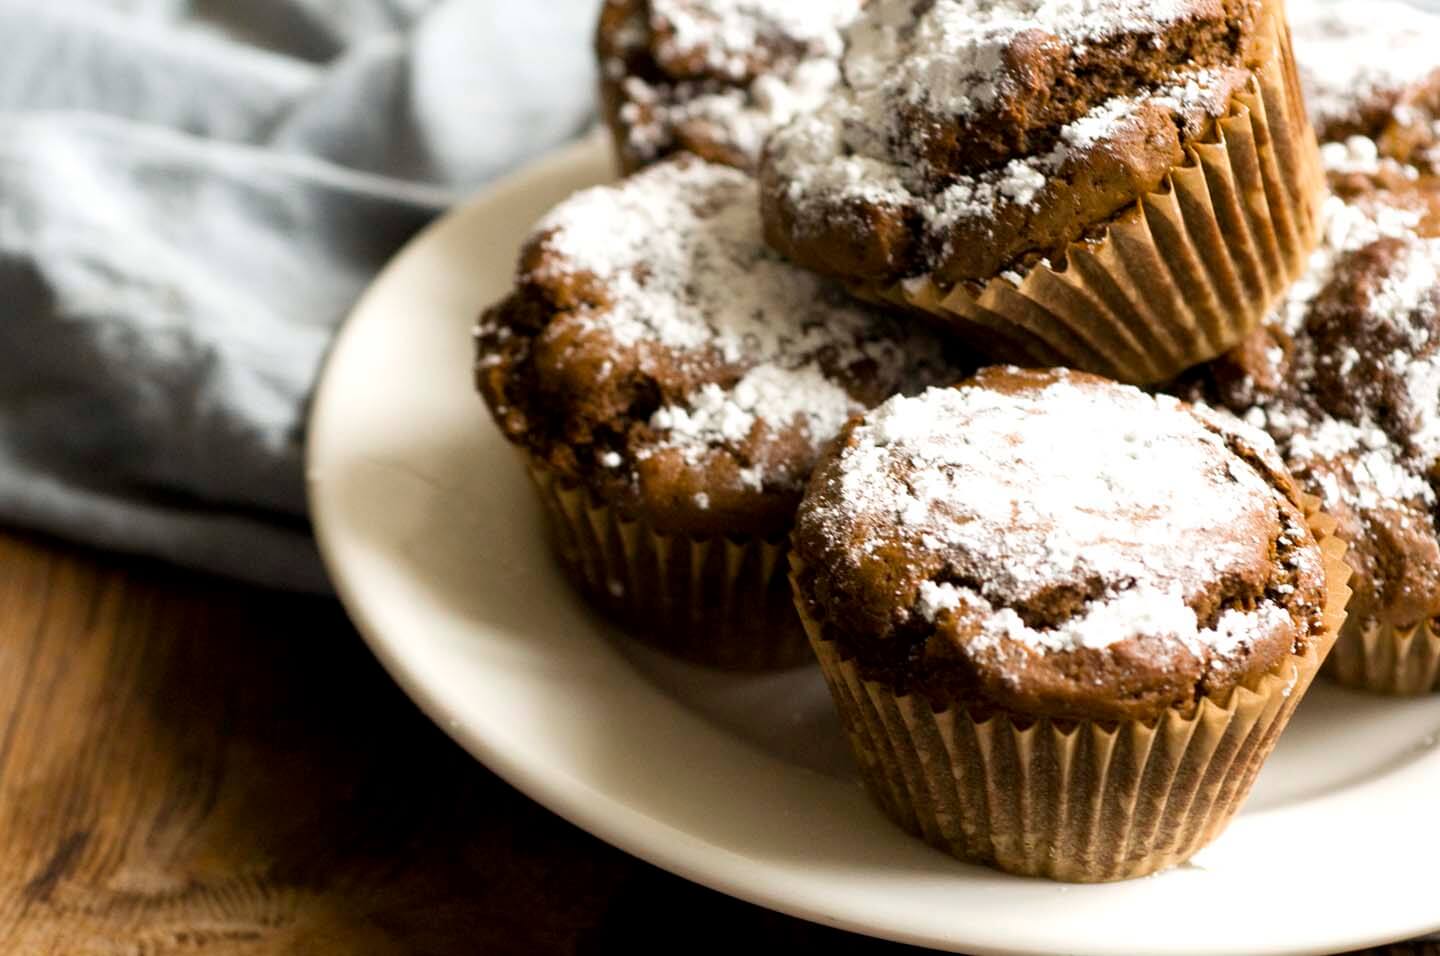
(189, 766)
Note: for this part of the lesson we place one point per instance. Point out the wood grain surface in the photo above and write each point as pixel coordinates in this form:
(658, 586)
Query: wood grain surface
(191, 767)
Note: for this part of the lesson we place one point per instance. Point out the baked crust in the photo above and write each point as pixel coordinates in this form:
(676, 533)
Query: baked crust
(960, 150)
(658, 354)
(718, 83)
(1051, 544)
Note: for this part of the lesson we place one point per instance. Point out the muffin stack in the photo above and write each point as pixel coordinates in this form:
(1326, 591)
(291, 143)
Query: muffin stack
(1345, 375)
(1064, 618)
(1121, 186)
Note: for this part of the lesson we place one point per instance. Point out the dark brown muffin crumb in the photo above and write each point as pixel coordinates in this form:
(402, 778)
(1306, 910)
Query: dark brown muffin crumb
(1051, 544)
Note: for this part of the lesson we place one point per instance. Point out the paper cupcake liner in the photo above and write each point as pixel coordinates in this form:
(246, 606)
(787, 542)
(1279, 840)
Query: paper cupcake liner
(723, 602)
(1181, 276)
(1398, 662)
(1077, 801)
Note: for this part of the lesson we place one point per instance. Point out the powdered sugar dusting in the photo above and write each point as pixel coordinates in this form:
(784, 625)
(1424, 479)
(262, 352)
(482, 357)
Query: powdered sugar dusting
(950, 58)
(1360, 155)
(726, 33)
(1100, 124)
(737, 118)
(1347, 227)
(767, 393)
(1069, 484)
(1408, 291)
(679, 250)
(1355, 53)
(685, 274)
(742, 68)
(1376, 473)
(840, 154)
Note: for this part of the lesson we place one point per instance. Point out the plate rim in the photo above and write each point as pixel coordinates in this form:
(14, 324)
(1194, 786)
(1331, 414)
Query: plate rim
(566, 794)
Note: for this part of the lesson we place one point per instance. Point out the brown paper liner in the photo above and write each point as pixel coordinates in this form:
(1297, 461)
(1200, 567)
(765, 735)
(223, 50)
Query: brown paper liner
(1077, 801)
(1180, 277)
(723, 602)
(1398, 662)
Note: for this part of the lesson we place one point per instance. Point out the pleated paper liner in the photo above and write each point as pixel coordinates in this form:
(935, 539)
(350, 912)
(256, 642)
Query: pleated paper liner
(1183, 275)
(721, 602)
(1077, 801)
(1398, 662)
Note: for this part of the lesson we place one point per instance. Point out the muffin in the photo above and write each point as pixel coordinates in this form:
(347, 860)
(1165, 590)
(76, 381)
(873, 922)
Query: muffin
(1064, 621)
(1122, 186)
(713, 77)
(670, 383)
(1371, 68)
(1346, 378)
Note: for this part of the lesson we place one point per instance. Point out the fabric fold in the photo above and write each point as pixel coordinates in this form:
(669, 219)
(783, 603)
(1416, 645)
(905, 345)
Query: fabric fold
(193, 194)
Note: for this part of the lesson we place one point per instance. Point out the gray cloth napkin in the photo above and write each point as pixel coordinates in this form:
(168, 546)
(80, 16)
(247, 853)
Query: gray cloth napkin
(192, 195)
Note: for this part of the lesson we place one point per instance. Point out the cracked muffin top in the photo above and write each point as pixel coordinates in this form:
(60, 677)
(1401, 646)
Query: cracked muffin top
(713, 77)
(658, 353)
(972, 137)
(1052, 544)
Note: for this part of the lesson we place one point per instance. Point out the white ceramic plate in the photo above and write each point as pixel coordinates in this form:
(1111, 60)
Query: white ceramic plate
(743, 784)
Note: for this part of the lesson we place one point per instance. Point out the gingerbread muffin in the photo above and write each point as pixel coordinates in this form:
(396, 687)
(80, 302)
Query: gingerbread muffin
(713, 77)
(670, 383)
(1064, 620)
(1124, 186)
(1346, 378)
(1371, 68)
